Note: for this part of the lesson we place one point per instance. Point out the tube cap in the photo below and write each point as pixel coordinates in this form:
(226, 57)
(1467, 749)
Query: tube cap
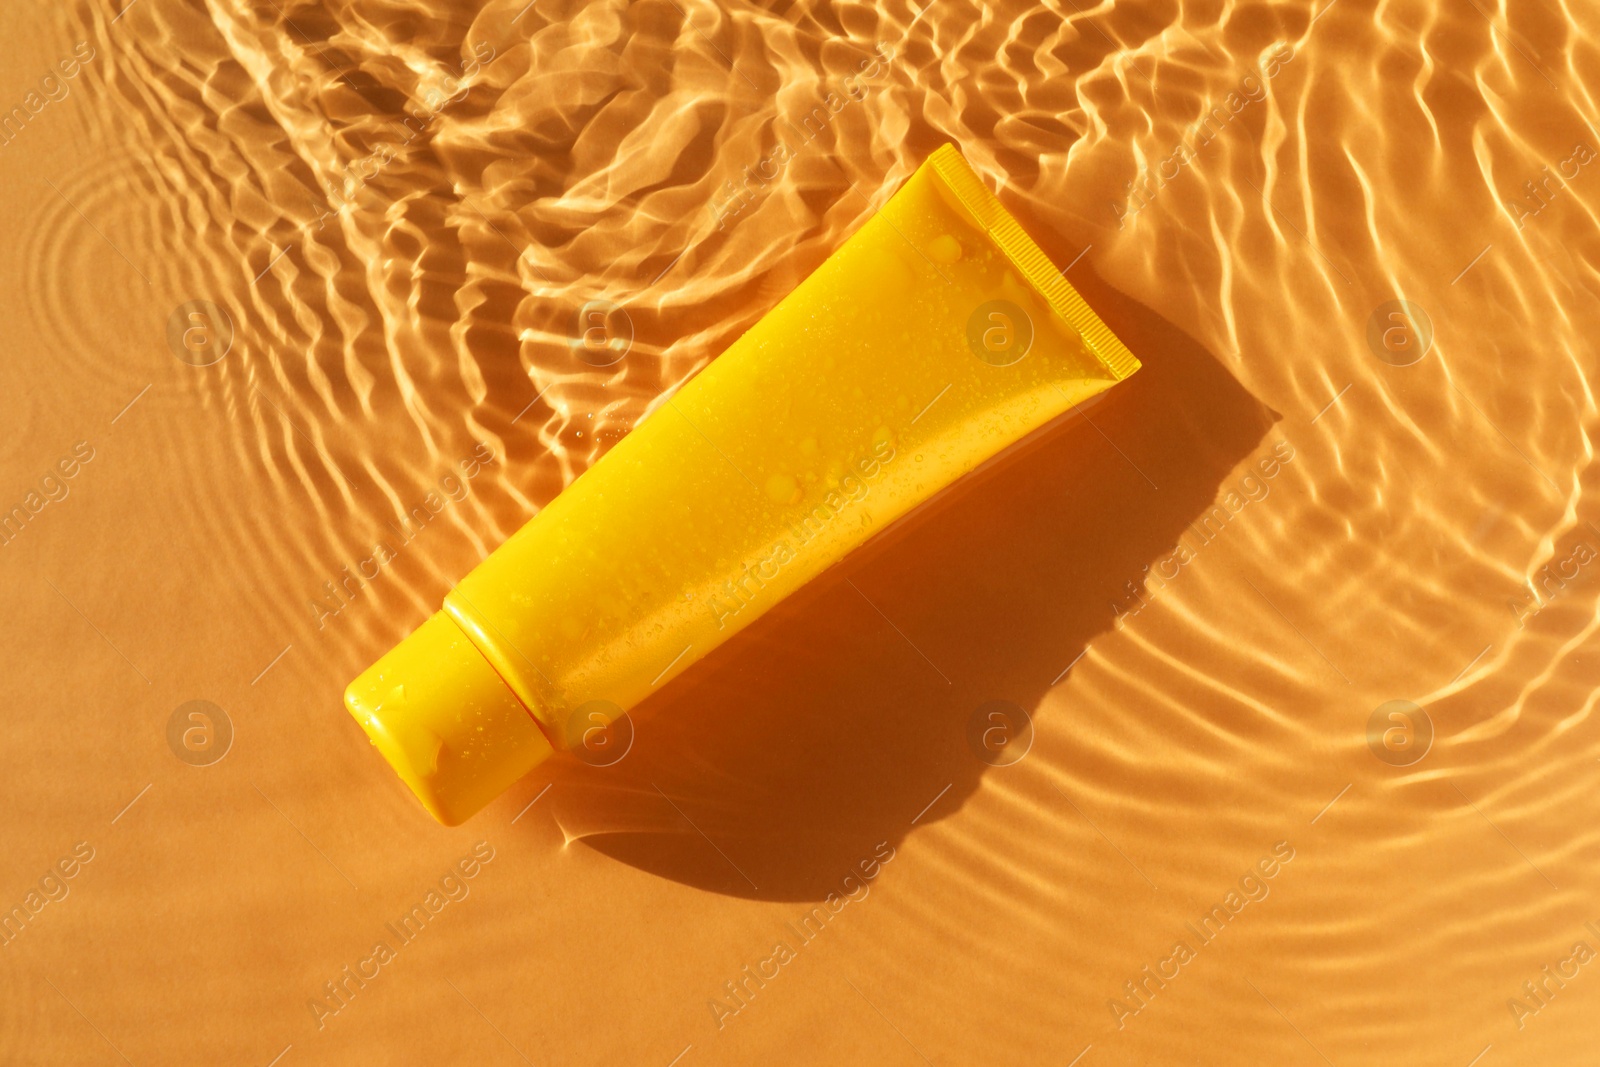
(445, 721)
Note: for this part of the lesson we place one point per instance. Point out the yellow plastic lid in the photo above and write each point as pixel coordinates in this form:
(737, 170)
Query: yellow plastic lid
(445, 721)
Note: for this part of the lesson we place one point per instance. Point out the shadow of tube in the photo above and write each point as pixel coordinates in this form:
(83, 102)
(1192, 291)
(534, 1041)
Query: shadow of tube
(773, 767)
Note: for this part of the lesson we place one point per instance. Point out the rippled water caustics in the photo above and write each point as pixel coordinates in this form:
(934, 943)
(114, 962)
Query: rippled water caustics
(1247, 717)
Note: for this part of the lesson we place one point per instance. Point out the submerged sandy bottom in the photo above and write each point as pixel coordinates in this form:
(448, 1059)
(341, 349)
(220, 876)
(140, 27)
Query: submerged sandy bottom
(1307, 505)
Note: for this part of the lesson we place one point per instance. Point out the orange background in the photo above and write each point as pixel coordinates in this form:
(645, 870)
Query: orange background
(397, 297)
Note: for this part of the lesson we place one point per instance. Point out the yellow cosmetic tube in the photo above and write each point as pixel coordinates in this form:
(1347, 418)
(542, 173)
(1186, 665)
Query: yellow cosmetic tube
(929, 341)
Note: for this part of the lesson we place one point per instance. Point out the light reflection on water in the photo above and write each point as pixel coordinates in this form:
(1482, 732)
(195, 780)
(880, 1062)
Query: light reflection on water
(1246, 186)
